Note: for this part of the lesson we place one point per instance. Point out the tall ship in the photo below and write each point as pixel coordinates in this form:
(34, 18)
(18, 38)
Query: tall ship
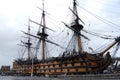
(74, 59)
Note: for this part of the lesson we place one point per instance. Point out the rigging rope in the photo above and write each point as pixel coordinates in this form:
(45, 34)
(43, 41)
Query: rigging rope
(117, 47)
(99, 35)
(101, 19)
(102, 47)
(24, 51)
(106, 3)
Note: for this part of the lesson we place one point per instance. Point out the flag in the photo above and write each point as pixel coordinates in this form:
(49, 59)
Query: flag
(90, 48)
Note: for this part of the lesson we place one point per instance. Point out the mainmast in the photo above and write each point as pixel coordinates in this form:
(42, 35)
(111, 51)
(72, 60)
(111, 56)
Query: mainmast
(42, 34)
(77, 28)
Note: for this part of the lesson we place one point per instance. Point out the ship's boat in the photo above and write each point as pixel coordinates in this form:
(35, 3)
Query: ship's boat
(72, 61)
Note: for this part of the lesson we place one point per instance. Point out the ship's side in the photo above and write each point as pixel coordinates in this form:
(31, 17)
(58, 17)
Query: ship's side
(75, 64)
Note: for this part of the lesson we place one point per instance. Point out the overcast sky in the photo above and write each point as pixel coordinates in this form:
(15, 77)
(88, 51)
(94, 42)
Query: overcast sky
(14, 15)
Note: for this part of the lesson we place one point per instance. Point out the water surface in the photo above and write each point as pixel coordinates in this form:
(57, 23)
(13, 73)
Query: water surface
(26, 78)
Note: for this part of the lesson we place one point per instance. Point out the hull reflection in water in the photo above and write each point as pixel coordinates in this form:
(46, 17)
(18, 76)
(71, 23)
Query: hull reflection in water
(70, 77)
(26, 78)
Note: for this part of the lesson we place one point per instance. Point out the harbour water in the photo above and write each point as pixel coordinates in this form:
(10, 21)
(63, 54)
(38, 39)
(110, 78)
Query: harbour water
(71, 77)
(26, 78)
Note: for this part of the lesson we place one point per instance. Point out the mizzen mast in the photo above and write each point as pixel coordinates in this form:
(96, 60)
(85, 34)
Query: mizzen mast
(29, 43)
(77, 28)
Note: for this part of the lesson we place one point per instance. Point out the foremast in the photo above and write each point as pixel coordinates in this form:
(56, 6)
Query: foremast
(77, 28)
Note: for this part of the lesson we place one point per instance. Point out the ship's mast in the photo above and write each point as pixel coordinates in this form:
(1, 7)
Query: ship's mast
(43, 34)
(77, 27)
(28, 43)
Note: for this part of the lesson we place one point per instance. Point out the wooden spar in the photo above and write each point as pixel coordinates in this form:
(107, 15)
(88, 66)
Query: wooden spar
(45, 40)
(43, 50)
(28, 50)
(75, 31)
(29, 44)
(44, 35)
(78, 27)
(115, 42)
(108, 48)
(42, 25)
(79, 43)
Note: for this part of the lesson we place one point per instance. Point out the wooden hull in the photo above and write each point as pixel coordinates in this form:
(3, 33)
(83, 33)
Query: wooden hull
(74, 64)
